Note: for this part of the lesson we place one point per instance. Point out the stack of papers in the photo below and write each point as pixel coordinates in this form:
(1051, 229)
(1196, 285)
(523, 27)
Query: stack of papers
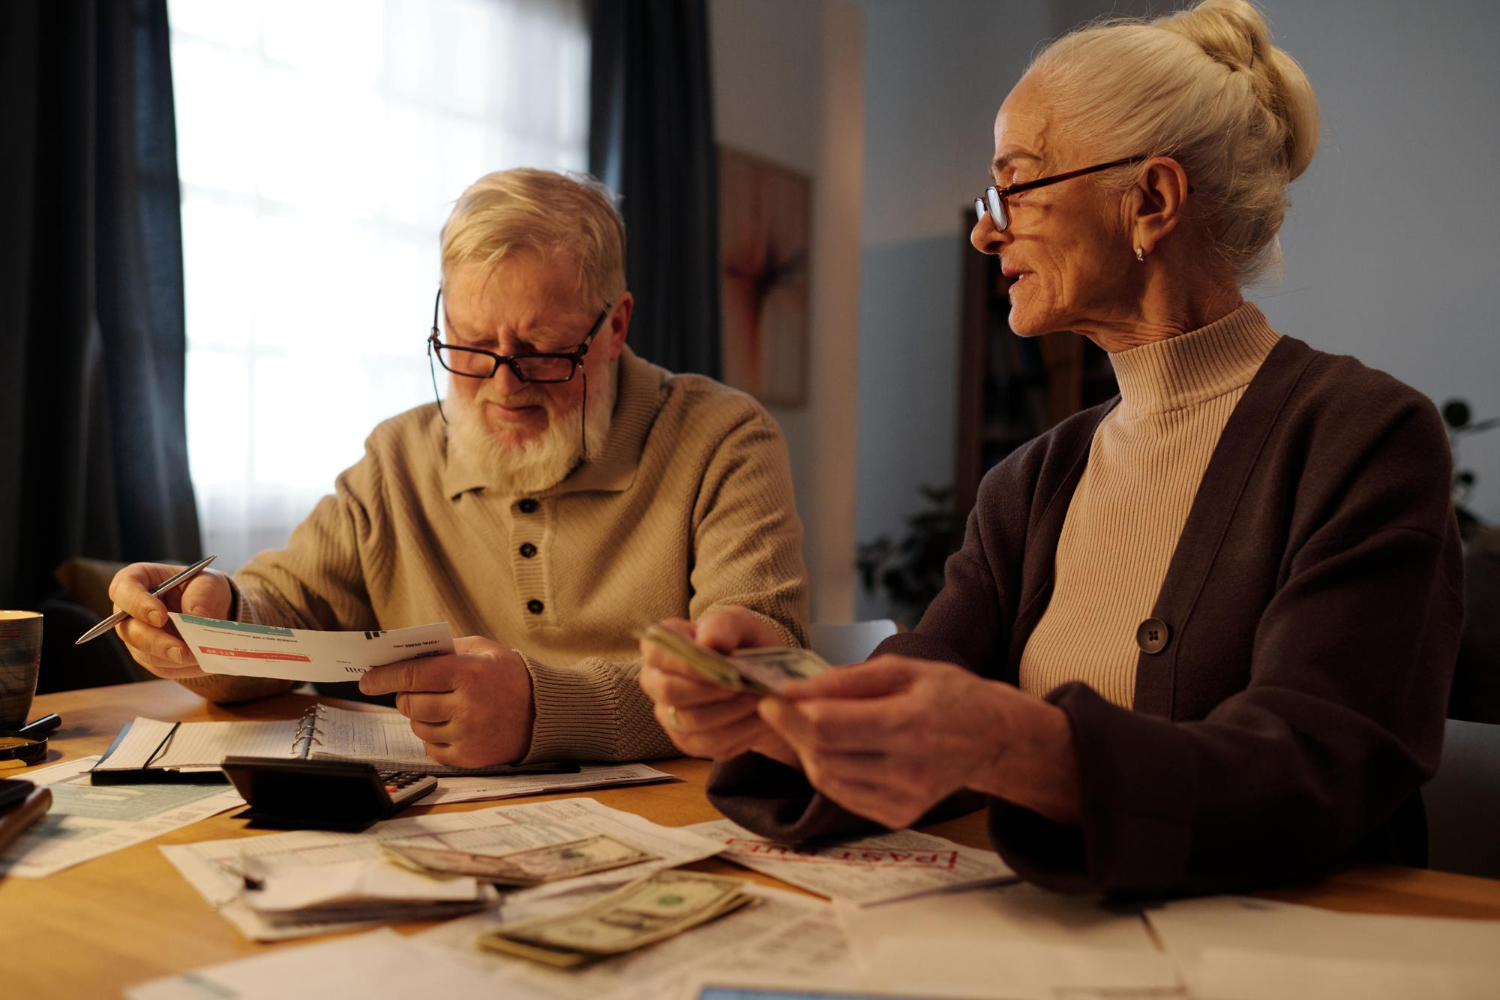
(284, 892)
(867, 871)
(217, 868)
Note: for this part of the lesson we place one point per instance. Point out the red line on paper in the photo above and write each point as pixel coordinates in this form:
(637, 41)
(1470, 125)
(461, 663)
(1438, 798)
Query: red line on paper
(246, 655)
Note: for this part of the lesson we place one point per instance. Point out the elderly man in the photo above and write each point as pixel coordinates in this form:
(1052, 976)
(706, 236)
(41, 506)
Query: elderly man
(564, 495)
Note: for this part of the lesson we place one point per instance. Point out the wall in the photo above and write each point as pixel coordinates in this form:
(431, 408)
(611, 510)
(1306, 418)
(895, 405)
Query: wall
(788, 87)
(935, 76)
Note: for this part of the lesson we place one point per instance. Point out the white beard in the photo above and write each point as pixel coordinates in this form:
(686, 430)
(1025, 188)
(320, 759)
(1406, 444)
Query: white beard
(543, 461)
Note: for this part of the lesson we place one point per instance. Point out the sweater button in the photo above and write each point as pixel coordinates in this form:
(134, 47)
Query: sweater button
(527, 550)
(1153, 635)
(528, 506)
(534, 606)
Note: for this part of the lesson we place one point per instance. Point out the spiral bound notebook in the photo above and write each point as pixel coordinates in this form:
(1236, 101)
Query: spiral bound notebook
(149, 749)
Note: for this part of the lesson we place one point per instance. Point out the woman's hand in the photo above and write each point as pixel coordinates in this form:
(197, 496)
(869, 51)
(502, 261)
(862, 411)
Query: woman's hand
(703, 719)
(891, 738)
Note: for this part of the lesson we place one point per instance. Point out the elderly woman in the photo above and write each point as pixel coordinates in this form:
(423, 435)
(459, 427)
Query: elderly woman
(1197, 638)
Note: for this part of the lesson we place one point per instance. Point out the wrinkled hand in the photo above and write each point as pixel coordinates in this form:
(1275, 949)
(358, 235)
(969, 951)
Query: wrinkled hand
(703, 719)
(891, 738)
(149, 634)
(470, 708)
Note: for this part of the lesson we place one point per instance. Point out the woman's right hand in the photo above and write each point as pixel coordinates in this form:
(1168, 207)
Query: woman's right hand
(148, 633)
(703, 719)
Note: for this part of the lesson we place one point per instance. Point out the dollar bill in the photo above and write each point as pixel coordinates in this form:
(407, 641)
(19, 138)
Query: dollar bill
(761, 671)
(643, 912)
(599, 853)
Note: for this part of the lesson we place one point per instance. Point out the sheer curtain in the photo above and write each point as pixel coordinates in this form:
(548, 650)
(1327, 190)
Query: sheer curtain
(320, 146)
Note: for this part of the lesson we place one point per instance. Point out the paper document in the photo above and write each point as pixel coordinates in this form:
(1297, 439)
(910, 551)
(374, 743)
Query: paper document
(225, 647)
(87, 820)
(869, 870)
(1240, 974)
(378, 964)
(217, 868)
(791, 934)
(1013, 941)
(512, 786)
(1188, 927)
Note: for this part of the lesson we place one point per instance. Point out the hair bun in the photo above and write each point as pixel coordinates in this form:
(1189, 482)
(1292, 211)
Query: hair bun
(1234, 32)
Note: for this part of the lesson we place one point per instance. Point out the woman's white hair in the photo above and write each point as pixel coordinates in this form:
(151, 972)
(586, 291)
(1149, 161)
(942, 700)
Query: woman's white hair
(1206, 87)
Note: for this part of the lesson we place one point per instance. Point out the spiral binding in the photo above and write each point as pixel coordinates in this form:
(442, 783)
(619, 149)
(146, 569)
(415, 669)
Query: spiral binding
(307, 731)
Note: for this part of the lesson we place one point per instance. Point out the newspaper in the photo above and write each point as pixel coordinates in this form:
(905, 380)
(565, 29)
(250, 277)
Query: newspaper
(786, 933)
(877, 869)
(87, 820)
(217, 868)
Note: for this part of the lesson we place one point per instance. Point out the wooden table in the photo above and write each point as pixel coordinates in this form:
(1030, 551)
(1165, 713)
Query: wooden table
(121, 919)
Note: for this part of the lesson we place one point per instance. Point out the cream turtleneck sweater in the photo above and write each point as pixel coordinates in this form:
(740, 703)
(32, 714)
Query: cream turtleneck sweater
(1145, 463)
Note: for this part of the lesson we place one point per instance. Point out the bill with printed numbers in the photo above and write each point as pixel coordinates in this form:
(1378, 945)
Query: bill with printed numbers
(599, 853)
(252, 650)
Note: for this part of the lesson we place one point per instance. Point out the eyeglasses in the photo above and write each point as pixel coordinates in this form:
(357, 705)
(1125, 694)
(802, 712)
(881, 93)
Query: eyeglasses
(475, 362)
(993, 199)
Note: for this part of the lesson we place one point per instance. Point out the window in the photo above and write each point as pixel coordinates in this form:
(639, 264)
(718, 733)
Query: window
(321, 144)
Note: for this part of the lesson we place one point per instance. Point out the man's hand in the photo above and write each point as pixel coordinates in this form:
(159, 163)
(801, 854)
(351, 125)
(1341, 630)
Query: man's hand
(148, 633)
(891, 738)
(703, 719)
(471, 708)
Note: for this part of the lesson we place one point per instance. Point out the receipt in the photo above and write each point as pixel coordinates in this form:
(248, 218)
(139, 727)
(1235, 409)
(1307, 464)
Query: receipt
(223, 647)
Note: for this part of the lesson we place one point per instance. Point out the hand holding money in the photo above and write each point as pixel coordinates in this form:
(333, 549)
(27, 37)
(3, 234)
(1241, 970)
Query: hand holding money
(709, 707)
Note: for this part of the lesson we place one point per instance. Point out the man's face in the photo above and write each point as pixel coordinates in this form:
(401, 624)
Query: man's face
(526, 305)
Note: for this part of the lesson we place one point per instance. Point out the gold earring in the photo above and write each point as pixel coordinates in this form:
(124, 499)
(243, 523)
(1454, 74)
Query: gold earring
(1140, 255)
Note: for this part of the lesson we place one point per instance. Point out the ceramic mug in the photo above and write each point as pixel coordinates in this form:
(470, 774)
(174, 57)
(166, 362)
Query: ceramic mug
(20, 659)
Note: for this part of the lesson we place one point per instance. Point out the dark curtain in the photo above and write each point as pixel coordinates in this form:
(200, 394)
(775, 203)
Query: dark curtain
(93, 452)
(651, 139)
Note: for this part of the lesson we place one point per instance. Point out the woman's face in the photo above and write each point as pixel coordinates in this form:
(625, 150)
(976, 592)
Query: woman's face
(1067, 250)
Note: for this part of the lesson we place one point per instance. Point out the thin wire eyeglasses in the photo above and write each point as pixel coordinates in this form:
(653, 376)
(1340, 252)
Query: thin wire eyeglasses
(993, 199)
(472, 362)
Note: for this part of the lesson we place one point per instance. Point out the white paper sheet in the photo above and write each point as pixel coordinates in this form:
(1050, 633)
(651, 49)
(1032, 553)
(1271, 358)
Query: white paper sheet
(512, 786)
(1013, 941)
(1242, 974)
(215, 868)
(87, 820)
(370, 966)
(1187, 927)
(797, 936)
(225, 647)
(286, 887)
(199, 744)
(869, 870)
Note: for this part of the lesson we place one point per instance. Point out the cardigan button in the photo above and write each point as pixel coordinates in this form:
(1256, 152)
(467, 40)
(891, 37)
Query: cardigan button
(534, 606)
(528, 506)
(1153, 635)
(527, 550)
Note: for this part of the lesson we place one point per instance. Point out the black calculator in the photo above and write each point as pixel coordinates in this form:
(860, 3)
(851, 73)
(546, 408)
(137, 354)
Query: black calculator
(322, 794)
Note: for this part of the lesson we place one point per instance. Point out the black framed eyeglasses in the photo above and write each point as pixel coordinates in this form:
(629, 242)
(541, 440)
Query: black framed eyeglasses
(475, 362)
(993, 199)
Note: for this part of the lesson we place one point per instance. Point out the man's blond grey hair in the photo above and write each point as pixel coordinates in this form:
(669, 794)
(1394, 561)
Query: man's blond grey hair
(536, 214)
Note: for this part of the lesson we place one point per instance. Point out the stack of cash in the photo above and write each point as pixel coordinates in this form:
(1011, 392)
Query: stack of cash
(762, 671)
(599, 853)
(359, 891)
(643, 912)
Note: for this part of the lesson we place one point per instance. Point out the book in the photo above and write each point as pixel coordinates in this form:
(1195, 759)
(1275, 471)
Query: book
(149, 749)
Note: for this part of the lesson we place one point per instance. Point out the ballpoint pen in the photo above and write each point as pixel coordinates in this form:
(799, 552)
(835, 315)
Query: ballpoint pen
(167, 584)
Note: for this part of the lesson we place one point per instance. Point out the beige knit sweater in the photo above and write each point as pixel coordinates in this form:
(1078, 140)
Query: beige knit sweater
(688, 508)
(1146, 460)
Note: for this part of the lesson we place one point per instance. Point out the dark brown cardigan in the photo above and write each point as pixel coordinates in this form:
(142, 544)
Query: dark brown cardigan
(1312, 611)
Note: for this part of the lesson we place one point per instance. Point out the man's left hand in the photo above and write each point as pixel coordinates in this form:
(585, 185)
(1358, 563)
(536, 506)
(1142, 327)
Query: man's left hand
(471, 708)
